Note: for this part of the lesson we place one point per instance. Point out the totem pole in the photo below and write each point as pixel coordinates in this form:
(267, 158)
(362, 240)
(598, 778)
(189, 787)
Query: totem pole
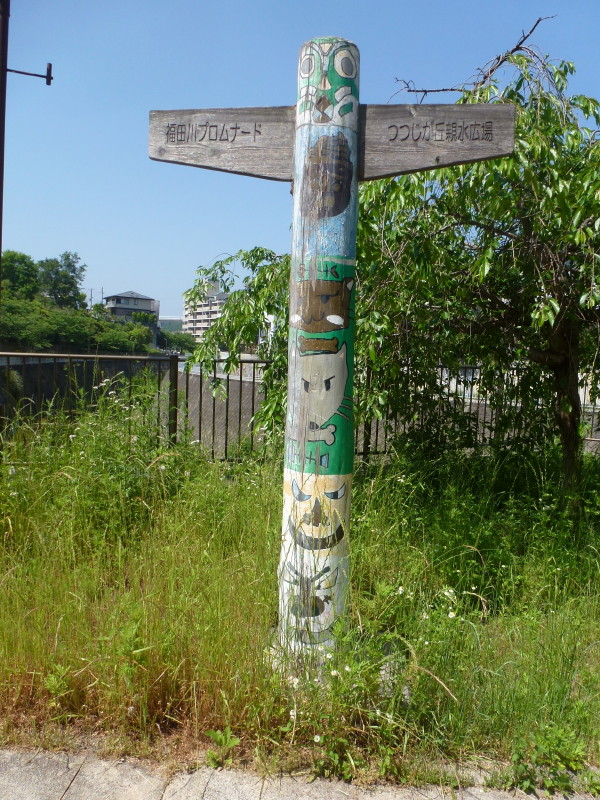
(319, 439)
(325, 145)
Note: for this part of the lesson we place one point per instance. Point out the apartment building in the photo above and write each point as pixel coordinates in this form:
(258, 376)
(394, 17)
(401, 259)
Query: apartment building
(198, 317)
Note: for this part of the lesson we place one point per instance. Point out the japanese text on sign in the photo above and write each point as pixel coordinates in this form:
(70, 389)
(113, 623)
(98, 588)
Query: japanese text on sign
(442, 132)
(194, 133)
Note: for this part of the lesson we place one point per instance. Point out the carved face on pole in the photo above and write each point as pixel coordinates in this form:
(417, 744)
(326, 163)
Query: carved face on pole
(328, 82)
(314, 564)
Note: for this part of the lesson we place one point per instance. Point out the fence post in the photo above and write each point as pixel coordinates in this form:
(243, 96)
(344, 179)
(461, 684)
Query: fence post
(173, 397)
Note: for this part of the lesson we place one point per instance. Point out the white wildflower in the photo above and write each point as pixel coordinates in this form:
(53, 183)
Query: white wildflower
(317, 738)
(293, 713)
(451, 614)
(335, 673)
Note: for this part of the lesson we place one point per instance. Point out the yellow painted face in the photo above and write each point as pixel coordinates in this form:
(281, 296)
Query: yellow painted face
(316, 508)
(314, 558)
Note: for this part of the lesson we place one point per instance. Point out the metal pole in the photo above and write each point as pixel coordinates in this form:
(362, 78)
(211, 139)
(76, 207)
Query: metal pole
(173, 397)
(4, 18)
(319, 439)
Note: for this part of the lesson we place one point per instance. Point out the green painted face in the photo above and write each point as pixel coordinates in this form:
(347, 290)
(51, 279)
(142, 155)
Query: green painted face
(328, 74)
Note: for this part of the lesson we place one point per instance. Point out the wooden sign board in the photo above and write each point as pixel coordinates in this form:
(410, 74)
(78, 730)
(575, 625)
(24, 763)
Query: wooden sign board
(393, 139)
(407, 138)
(249, 141)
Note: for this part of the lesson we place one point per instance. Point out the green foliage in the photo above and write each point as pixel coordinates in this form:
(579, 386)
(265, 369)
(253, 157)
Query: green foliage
(21, 274)
(140, 591)
(123, 337)
(225, 742)
(493, 262)
(39, 325)
(60, 280)
(176, 340)
(144, 317)
(548, 759)
(255, 313)
(43, 307)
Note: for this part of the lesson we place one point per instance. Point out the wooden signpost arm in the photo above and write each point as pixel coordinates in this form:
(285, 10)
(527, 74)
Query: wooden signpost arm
(258, 142)
(392, 139)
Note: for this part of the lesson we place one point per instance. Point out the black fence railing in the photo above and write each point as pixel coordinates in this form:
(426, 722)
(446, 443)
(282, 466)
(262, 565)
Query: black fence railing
(217, 410)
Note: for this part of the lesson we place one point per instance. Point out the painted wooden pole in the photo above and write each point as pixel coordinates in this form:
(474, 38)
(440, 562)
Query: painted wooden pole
(319, 439)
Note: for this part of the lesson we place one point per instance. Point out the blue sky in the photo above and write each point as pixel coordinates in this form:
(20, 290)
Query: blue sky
(77, 173)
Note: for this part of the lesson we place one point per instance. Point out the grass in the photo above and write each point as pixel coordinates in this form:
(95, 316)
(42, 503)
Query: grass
(138, 596)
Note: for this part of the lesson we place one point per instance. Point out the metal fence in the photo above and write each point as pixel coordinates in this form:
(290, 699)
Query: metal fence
(218, 409)
(462, 408)
(32, 383)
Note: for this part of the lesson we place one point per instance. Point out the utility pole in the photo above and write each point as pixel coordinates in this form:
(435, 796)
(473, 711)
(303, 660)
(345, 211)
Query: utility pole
(4, 18)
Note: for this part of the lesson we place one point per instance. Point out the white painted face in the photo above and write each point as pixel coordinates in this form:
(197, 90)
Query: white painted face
(321, 387)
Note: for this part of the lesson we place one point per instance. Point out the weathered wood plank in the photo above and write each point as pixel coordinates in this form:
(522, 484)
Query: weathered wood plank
(248, 141)
(397, 139)
(394, 139)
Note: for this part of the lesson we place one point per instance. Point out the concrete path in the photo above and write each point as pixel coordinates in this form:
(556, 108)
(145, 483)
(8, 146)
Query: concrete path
(57, 776)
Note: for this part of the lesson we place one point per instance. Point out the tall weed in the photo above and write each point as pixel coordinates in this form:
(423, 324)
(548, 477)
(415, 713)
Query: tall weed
(138, 593)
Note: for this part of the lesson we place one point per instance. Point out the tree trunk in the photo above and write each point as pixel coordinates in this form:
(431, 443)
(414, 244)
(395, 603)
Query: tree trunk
(567, 405)
(562, 358)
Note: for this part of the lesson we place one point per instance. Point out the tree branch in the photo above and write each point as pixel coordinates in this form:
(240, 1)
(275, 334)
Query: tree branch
(501, 59)
(547, 358)
(485, 226)
(485, 72)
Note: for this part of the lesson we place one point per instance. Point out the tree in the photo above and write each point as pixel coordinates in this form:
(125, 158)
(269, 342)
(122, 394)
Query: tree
(21, 274)
(61, 278)
(498, 260)
(176, 340)
(256, 313)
